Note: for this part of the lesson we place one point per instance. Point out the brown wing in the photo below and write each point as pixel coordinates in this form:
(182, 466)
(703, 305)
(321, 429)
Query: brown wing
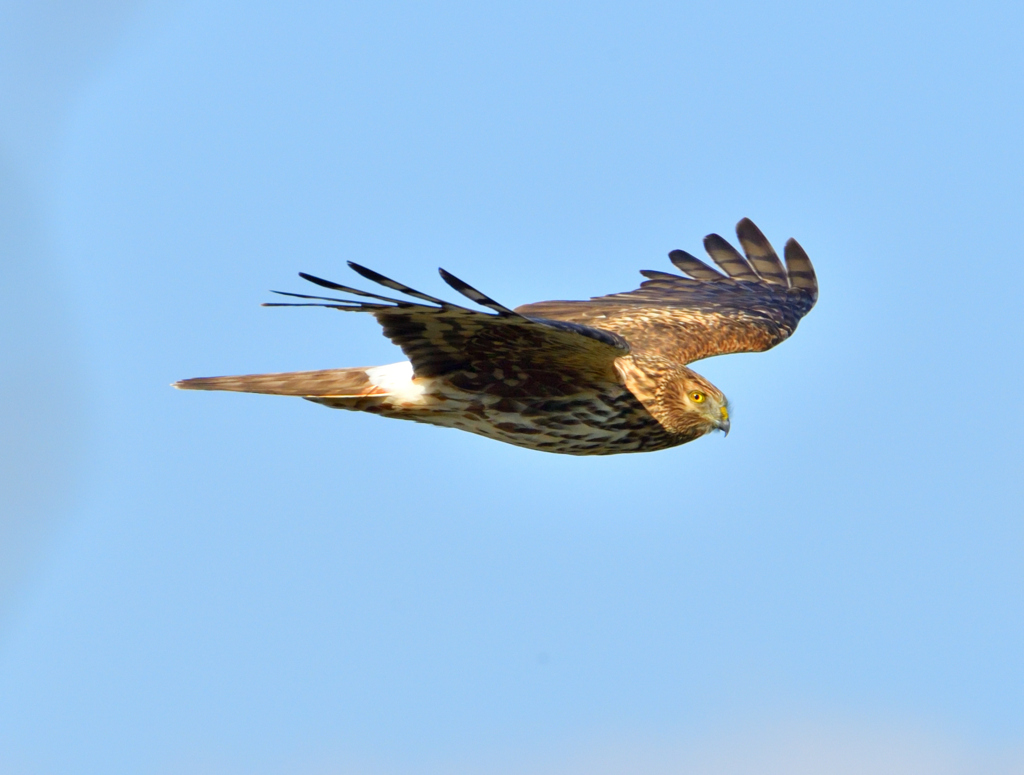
(503, 353)
(755, 305)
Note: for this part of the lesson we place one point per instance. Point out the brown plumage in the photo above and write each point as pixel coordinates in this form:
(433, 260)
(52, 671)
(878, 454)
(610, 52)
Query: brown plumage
(593, 377)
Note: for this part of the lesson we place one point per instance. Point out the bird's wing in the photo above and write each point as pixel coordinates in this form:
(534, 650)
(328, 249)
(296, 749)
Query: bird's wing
(504, 353)
(753, 306)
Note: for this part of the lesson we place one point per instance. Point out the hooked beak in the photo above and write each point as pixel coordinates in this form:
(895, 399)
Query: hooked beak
(723, 424)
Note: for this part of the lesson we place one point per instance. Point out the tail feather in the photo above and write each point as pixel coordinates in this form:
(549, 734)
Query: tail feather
(328, 382)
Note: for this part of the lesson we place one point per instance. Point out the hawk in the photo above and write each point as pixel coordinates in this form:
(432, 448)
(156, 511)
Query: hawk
(595, 377)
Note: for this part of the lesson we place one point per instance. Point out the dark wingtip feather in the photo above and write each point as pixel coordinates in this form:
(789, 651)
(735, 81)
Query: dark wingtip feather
(355, 306)
(346, 289)
(654, 274)
(369, 274)
(307, 296)
(394, 285)
(727, 257)
(472, 293)
(693, 266)
(800, 269)
(334, 287)
(320, 281)
(760, 253)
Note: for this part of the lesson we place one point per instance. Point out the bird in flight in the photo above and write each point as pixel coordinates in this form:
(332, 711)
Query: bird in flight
(595, 377)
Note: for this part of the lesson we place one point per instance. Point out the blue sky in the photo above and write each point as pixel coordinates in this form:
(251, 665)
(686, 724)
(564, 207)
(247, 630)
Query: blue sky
(227, 583)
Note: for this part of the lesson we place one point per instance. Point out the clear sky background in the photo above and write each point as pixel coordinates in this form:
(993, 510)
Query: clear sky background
(226, 584)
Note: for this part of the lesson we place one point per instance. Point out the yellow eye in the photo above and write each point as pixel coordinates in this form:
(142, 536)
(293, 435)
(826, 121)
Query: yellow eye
(697, 397)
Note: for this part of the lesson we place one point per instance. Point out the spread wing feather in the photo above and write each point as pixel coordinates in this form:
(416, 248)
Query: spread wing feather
(503, 352)
(753, 306)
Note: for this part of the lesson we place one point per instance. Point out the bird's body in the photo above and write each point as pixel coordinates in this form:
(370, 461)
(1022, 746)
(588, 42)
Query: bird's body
(599, 419)
(595, 377)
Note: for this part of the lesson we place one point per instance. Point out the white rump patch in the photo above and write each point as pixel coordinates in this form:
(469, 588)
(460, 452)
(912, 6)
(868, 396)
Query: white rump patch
(396, 379)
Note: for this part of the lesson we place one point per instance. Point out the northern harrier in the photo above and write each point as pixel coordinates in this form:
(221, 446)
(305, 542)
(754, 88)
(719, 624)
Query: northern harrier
(594, 377)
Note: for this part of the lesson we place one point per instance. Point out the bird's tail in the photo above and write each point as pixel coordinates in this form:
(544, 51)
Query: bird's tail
(329, 382)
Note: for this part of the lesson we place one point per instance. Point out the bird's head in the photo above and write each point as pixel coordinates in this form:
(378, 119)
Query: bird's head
(696, 406)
